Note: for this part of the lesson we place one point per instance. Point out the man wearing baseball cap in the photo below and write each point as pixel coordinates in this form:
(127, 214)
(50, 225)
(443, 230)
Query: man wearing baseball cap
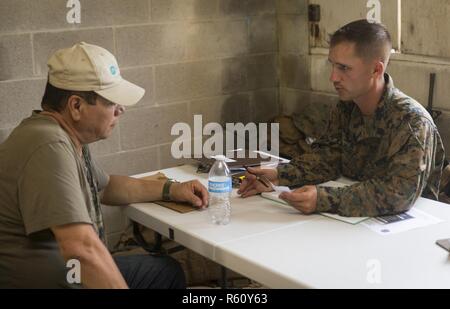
(51, 188)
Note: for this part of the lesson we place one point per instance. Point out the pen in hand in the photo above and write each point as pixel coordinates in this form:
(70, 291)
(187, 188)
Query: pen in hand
(261, 179)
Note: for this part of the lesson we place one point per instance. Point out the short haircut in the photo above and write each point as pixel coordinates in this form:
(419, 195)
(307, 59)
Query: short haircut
(372, 40)
(55, 98)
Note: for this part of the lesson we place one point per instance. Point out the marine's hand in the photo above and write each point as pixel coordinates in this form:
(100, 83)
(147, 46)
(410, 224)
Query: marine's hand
(303, 199)
(251, 186)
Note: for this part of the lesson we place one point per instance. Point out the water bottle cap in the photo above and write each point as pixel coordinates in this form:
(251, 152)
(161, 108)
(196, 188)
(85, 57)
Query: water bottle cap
(220, 157)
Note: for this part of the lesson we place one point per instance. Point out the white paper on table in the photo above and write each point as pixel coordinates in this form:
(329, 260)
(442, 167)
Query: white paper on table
(274, 197)
(280, 189)
(420, 219)
(351, 220)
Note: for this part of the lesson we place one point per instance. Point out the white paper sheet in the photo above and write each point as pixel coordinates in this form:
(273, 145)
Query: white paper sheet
(420, 219)
(274, 197)
(280, 189)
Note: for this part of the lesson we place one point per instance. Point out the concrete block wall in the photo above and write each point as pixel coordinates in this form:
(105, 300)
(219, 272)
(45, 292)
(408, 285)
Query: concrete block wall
(213, 57)
(295, 57)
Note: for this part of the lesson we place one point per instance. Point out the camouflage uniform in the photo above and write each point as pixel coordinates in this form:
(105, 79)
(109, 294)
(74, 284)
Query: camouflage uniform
(396, 155)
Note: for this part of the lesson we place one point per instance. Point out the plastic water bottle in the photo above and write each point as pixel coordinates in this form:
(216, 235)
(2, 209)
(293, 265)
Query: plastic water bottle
(219, 189)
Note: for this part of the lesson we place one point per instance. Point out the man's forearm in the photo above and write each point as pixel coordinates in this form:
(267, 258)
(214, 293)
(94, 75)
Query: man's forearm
(99, 271)
(371, 198)
(123, 190)
(79, 241)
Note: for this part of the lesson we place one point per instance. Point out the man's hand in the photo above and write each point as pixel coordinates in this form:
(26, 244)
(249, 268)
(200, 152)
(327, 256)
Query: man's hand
(251, 186)
(190, 191)
(303, 199)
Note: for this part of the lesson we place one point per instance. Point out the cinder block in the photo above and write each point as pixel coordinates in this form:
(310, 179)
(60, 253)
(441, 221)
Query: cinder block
(165, 10)
(16, 15)
(222, 109)
(265, 105)
(15, 57)
(229, 109)
(131, 162)
(236, 108)
(4, 133)
(216, 39)
(114, 12)
(262, 71)
(425, 28)
(25, 15)
(171, 115)
(241, 8)
(263, 34)
(167, 160)
(233, 8)
(37, 15)
(107, 146)
(151, 126)
(261, 7)
(210, 109)
(153, 44)
(187, 80)
(142, 76)
(249, 73)
(19, 99)
(50, 14)
(45, 44)
(295, 72)
(414, 79)
(299, 7)
(320, 74)
(293, 34)
(234, 74)
(294, 101)
(140, 128)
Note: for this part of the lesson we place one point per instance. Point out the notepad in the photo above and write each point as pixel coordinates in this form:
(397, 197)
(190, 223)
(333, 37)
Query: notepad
(273, 196)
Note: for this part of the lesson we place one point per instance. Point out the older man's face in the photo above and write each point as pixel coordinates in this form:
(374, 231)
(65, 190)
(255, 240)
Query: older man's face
(99, 120)
(351, 76)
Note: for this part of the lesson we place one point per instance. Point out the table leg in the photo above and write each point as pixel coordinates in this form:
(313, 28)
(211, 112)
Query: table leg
(155, 249)
(223, 283)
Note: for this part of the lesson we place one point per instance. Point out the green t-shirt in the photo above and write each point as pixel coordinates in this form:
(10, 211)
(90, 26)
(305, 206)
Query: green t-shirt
(42, 184)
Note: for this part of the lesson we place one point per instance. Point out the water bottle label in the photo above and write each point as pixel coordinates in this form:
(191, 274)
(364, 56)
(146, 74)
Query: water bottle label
(219, 186)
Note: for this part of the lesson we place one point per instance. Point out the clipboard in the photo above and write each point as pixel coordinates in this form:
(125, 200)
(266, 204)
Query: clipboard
(180, 207)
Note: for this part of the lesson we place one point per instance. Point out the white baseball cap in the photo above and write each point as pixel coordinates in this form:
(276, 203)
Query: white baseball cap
(87, 67)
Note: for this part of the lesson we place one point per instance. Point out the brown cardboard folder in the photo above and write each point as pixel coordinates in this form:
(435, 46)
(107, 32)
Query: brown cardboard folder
(177, 206)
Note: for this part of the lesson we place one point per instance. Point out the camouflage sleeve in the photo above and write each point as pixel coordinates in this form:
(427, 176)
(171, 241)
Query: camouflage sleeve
(320, 165)
(413, 159)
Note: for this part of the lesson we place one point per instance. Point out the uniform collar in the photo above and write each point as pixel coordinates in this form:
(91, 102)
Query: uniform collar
(372, 127)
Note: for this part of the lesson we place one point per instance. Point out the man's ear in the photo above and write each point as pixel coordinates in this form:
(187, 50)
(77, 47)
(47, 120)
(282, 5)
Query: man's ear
(74, 105)
(378, 69)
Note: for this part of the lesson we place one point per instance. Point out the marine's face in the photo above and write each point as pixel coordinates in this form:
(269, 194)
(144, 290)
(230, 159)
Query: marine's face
(351, 75)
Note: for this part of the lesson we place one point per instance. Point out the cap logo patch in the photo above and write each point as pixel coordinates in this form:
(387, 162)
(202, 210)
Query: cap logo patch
(113, 70)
